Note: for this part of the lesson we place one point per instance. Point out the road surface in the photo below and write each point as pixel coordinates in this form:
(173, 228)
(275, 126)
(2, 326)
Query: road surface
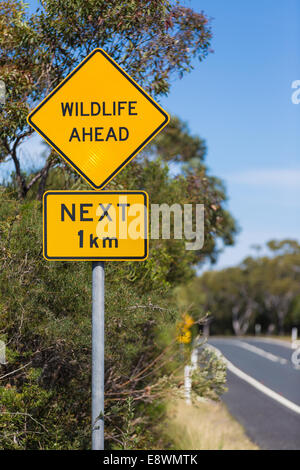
(263, 390)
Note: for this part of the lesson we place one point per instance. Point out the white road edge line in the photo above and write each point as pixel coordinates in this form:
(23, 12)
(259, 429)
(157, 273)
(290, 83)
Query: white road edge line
(260, 352)
(262, 388)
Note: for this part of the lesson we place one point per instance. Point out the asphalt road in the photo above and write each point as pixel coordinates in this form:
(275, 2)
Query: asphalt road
(257, 369)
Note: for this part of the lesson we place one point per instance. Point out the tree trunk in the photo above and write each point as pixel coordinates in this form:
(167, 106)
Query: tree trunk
(42, 185)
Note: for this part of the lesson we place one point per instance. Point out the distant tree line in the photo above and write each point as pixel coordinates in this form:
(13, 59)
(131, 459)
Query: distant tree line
(262, 290)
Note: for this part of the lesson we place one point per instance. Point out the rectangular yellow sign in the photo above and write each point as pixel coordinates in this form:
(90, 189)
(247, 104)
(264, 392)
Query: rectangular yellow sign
(92, 225)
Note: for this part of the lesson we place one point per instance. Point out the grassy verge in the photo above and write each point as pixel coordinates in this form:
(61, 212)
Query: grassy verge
(205, 426)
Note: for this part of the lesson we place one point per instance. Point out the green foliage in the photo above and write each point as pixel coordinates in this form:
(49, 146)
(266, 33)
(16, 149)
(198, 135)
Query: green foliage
(176, 144)
(154, 38)
(209, 380)
(29, 417)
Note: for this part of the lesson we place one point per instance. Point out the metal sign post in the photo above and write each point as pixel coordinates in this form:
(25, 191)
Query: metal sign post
(98, 355)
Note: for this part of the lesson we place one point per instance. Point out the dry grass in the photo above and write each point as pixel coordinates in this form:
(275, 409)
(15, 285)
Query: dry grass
(205, 426)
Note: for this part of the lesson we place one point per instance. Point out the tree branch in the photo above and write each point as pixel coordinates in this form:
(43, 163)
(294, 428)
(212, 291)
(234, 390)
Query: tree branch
(44, 177)
(20, 178)
(43, 173)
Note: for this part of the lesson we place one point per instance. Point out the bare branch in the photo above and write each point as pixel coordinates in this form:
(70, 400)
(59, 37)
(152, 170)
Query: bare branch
(43, 173)
(16, 370)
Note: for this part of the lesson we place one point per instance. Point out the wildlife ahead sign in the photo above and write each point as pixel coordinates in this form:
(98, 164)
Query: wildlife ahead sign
(98, 118)
(91, 225)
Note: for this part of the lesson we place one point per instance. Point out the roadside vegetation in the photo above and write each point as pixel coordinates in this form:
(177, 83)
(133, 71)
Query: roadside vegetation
(45, 307)
(204, 426)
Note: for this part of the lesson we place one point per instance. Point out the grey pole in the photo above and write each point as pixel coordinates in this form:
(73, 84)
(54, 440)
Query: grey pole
(98, 356)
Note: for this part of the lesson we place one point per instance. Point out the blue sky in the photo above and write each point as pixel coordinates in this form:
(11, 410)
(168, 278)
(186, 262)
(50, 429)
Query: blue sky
(239, 101)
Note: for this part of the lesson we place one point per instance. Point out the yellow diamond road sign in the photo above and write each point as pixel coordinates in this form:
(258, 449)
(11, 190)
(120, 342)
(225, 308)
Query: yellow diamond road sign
(98, 118)
(92, 225)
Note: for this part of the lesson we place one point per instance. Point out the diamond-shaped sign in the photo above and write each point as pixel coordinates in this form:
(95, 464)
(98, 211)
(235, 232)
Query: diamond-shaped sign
(98, 118)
